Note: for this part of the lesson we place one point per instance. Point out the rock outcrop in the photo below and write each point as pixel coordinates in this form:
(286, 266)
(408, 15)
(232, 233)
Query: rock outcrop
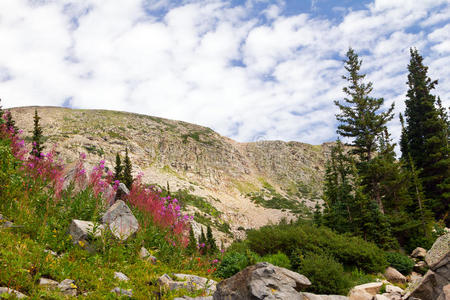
(394, 276)
(80, 231)
(431, 286)
(262, 281)
(187, 281)
(14, 293)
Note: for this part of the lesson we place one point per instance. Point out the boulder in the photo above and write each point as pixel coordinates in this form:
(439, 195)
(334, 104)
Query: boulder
(445, 295)
(122, 192)
(121, 220)
(421, 267)
(371, 288)
(81, 230)
(394, 276)
(68, 287)
(262, 281)
(310, 296)
(120, 276)
(359, 295)
(419, 253)
(189, 282)
(5, 223)
(48, 282)
(17, 294)
(392, 289)
(429, 287)
(380, 297)
(122, 292)
(439, 253)
(196, 298)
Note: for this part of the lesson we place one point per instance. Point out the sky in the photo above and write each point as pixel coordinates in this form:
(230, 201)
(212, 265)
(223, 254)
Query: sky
(251, 70)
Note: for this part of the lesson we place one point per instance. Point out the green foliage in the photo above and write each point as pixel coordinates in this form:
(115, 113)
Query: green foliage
(118, 168)
(94, 150)
(10, 123)
(210, 241)
(279, 259)
(425, 137)
(326, 274)
(192, 245)
(37, 147)
(399, 261)
(232, 263)
(127, 169)
(350, 251)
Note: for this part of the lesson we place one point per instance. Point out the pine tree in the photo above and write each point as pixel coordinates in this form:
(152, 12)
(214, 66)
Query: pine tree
(425, 136)
(10, 123)
(37, 149)
(202, 241)
(118, 168)
(360, 117)
(127, 177)
(210, 241)
(1, 113)
(192, 245)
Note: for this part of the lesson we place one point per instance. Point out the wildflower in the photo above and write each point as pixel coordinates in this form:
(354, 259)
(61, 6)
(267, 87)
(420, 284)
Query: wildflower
(73, 286)
(81, 243)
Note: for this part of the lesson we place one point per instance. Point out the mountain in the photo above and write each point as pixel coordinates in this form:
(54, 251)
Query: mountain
(230, 185)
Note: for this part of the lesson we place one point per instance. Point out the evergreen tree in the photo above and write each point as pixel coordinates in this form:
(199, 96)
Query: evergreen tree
(425, 136)
(1, 113)
(202, 241)
(37, 149)
(192, 245)
(360, 119)
(127, 177)
(10, 123)
(210, 241)
(118, 168)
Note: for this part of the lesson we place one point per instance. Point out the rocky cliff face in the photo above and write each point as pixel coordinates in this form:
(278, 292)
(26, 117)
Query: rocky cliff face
(247, 184)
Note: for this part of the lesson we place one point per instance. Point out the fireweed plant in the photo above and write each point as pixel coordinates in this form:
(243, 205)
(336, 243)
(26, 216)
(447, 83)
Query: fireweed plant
(43, 196)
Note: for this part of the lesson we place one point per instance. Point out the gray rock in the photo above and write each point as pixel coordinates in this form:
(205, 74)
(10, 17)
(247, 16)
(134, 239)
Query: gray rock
(5, 290)
(360, 295)
(121, 276)
(144, 254)
(48, 282)
(439, 253)
(51, 252)
(430, 287)
(122, 192)
(419, 253)
(392, 289)
(262, 281)
(445, 295)
(380, 297)
(81, 230)
(394, 276)
(122, 292)
(310, 296)
(190, 282)
(121, 220)
(68, 287)
(5, 223)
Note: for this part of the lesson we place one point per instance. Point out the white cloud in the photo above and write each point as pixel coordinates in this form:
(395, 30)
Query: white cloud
(247, 74)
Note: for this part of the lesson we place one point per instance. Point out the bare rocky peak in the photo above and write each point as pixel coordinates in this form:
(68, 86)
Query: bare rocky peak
(239, 179)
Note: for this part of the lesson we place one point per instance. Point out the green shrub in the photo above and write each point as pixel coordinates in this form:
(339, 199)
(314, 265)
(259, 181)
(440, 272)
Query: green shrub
(326, 275)
(232, 263)
(280, 259)
(400, 262)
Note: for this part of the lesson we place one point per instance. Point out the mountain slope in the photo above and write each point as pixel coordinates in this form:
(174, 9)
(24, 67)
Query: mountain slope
(245, 185)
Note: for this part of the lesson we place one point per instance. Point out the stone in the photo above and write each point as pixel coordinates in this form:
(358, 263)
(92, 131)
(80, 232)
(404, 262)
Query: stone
(48, 282)
(5, 290)
(262, 281)
(392, 289)
(5, 223)
(82, 230)
(359, 295)
(430, 287)
(310, 296)
(439, 253)
(445, 295)
(380, 297)
(121, 276)
(51, 252)
(122, 292)
(144, 254)
(394, 276)
(122, 192)
(197, 282)
(121, 220)
(421, 267)
(68, 287)
(371, 288)
(393, 296)
(419, 252)
(195, 298)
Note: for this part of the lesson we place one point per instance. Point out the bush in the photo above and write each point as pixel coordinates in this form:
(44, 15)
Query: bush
(280, 259)
(232, 263)
(400, 262)
(326, 275)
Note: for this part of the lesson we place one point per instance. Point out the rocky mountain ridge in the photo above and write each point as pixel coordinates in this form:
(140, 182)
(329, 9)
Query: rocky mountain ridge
(248, 184)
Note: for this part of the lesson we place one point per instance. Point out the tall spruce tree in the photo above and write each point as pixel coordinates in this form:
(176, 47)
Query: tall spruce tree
(425, 137)
(118, 168)
(360, 118)
(210, 241)
(10, 123)
(192, 245)
(127, 169)
(37, 149)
